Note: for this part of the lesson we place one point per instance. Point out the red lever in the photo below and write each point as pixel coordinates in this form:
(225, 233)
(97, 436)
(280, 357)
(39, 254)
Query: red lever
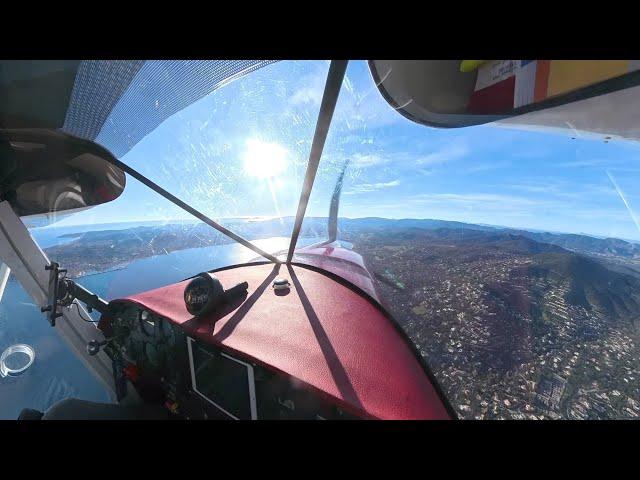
(131, 372)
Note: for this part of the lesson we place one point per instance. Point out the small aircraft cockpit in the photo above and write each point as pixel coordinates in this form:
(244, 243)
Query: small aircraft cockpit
(257, 239)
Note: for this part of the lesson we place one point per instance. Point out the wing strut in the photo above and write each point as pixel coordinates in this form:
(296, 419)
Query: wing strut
(336, 73)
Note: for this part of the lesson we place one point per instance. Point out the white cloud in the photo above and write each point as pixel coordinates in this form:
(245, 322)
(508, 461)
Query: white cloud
(583, 163)
(444, 155)
(360, 160)
(563, 189)
(371, 187)
(360, 106)
(307, 95)
(438, 157)
(481, 201)
(310, 86)
(621, 163)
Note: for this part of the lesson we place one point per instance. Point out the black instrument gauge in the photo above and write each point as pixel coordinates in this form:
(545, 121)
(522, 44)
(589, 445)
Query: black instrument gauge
(147, 323)
(203, 293)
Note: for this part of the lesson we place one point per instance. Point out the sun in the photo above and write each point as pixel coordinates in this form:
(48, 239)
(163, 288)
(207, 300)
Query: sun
(264, 159)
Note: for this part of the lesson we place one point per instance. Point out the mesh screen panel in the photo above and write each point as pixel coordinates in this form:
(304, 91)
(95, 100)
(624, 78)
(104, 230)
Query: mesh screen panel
(117, 103)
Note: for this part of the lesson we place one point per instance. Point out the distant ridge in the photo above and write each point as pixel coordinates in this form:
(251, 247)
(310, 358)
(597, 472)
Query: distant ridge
(570, 241)
(316, 227)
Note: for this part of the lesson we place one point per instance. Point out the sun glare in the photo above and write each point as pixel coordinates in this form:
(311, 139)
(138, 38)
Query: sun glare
(264, 159)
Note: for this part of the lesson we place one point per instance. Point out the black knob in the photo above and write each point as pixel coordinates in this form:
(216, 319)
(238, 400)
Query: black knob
(93, 347)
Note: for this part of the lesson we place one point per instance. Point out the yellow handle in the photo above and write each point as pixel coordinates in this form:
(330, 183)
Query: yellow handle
(467, 66)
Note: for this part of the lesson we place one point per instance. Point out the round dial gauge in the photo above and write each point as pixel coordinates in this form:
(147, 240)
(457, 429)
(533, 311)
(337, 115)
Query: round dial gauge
(203, 293)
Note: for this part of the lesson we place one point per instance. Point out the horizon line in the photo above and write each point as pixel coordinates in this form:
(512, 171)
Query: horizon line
(269, 218)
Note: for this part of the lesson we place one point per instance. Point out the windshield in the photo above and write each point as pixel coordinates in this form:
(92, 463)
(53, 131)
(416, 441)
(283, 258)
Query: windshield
(510, 258)
(238, 155)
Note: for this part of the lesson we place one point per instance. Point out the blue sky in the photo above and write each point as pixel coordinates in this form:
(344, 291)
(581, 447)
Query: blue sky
(210, 155)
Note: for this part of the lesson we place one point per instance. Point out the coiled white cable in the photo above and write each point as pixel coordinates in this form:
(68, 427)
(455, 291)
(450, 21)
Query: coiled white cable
(13, 349)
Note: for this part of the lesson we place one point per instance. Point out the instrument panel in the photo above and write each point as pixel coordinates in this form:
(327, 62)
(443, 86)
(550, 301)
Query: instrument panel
(144, 339)
(201, 381)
